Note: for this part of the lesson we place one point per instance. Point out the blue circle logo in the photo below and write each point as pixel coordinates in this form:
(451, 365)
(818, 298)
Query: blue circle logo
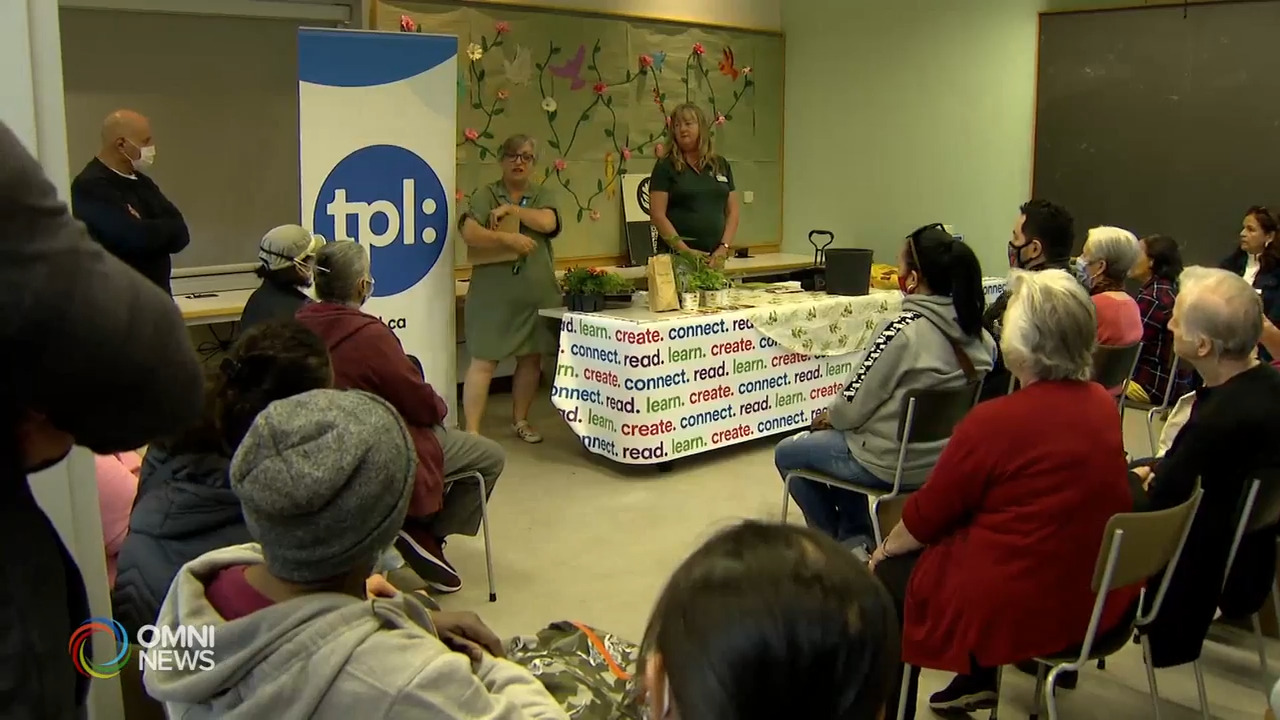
(391, 201)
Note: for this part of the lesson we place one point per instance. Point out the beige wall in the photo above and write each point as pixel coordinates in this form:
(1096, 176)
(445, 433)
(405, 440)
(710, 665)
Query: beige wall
(905, 112)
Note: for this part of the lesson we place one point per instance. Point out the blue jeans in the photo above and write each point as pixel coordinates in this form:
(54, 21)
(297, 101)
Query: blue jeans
(842, 514)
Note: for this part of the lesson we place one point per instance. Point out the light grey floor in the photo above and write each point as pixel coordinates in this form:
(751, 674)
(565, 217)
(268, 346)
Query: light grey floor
(579, 538)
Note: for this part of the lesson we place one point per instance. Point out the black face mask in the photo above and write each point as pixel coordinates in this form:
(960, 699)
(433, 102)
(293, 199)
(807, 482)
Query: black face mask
(1015, 256)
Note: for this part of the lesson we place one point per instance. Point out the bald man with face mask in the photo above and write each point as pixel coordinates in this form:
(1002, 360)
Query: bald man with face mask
(122, 207)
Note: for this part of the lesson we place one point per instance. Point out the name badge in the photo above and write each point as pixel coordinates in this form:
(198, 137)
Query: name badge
(722, 178)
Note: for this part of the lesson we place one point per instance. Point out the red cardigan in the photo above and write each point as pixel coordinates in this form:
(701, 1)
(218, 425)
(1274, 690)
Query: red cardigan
(1012, 517)
(367, 356)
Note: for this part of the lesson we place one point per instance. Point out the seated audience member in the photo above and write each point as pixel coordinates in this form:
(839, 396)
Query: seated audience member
(117, 476)
(993, 560)
(1158, 267)
(326, 478)
(185, 505)
(1228, 440)
(286, 258)
(770, 621)
(937, 342)
(1042, 239)
(368, 356)
(1257, 260)
(1104, 263)
(1108, 255)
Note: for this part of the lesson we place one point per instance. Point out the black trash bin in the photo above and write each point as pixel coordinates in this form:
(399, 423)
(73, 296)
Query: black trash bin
(848, 271)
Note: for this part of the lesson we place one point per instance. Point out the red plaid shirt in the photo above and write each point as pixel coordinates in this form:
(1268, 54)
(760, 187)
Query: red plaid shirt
(1155, 304)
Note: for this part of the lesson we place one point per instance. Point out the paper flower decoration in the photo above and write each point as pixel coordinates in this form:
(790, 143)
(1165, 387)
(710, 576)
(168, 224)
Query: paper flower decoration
(659, 150)
(457, 195)
(471, 134)
(720, 119)
(560, 164)
(475, 52)
(646, 61)
(595, 215)
(503, 94)
(407, 24)
(746, 70)
(626, 153)
(549, 104)
(502, 27)
(600, 88)
(698, 49)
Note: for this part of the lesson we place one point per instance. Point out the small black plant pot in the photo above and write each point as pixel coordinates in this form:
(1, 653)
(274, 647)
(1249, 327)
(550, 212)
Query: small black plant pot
(584, 303)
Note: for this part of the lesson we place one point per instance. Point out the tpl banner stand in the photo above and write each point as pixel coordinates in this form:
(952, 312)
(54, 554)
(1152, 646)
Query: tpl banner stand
(377, 117)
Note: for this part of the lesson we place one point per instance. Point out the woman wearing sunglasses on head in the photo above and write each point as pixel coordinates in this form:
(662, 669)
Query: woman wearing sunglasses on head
(508, 231)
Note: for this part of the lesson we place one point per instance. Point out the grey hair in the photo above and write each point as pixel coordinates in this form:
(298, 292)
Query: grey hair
(341, 265)
(1050, 328)
(1220, 307)
(1116, 246)
(513, 144)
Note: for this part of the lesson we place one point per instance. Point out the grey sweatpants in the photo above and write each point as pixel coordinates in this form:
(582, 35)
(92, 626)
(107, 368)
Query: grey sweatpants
(464, 452)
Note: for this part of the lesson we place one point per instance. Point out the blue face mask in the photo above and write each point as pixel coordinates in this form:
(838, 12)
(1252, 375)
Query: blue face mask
(1082, 273)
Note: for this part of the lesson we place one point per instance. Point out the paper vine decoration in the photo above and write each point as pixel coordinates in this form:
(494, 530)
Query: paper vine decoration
(578, 73)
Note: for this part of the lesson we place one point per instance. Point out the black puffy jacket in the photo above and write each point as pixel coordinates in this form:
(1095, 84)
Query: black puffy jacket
(185, 508)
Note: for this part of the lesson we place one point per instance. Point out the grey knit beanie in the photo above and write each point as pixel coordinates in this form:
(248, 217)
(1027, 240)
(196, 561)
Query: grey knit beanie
(324, 478)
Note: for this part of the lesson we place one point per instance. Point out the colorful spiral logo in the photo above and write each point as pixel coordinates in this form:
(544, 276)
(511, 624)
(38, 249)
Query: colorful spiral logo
(80, 648)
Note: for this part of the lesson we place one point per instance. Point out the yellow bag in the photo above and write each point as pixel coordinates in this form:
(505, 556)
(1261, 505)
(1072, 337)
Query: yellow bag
(884, 276)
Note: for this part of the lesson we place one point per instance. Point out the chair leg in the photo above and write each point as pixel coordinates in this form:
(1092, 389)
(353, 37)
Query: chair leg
(1200, 690)
(488, 546)
(999, 683)
(1041, 673)
(786, 496)
(1151, 676)
(1102, 663)
(1050, 697)
(1262, 641)
(902, 694)
(875, 520)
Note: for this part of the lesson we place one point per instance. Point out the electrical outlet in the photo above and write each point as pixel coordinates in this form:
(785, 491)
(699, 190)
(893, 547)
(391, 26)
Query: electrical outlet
(748, 197)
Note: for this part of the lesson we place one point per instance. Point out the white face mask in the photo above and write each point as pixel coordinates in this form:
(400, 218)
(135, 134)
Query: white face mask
(146, 156)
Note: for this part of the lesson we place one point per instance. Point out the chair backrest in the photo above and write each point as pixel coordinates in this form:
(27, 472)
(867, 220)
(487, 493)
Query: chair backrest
(1266, 504)
(932, 415)
(1149, 542)
(1113, 366)
(1168, 400)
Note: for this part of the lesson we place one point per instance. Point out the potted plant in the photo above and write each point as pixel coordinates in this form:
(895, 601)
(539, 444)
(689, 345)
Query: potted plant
(713, 286)
(585, 288)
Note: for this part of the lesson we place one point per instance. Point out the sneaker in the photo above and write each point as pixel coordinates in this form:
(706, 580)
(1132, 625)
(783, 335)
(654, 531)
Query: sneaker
(525, 432)
(425, 555)
(966, 693)
(1066, 680)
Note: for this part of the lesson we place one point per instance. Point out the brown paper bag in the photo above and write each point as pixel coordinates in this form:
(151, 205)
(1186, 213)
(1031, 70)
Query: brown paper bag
(661, 274)
(500, 254)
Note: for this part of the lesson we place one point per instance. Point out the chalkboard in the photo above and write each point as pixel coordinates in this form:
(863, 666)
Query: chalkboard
(1161, 119)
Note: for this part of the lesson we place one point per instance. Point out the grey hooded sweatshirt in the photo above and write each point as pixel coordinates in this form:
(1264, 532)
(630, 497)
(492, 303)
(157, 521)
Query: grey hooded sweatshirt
(332, 656)
(909, 352)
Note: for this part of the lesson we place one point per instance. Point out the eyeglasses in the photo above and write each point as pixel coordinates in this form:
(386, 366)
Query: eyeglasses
(526, 158)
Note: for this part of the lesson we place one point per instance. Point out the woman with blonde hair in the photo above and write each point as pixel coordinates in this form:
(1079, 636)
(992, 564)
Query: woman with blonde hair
(691, 200)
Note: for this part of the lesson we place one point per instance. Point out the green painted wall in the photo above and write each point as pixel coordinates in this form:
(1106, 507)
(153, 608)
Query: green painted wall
(904, 112)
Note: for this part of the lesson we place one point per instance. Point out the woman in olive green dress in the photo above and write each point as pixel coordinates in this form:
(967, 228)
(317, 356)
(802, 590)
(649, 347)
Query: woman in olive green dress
(501, 313)
(691, 200)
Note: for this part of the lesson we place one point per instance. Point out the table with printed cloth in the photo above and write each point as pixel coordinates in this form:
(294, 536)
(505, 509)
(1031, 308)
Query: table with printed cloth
(645, 388)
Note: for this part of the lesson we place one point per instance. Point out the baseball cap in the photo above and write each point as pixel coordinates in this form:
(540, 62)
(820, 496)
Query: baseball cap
(285, 245)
